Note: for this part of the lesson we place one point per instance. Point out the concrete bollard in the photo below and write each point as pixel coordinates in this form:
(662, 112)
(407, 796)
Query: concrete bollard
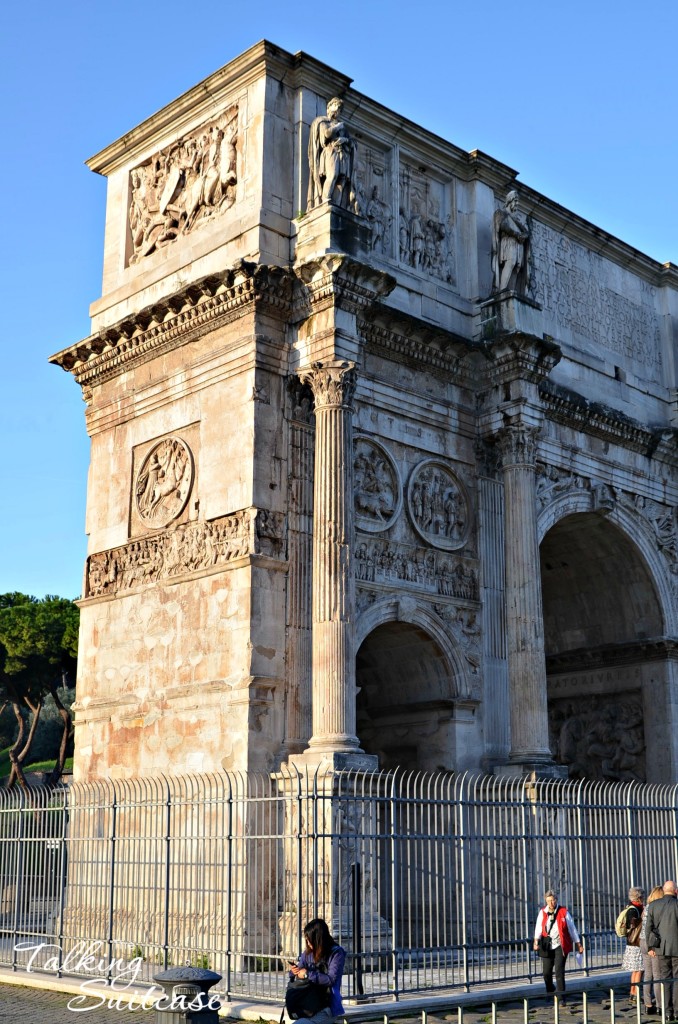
(186, 999)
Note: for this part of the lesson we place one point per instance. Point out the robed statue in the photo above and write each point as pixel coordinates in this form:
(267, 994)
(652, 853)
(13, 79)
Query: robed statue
(330, 159)
(510, 248)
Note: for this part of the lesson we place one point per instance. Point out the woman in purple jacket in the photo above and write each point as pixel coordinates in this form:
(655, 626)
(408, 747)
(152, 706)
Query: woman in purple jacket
(322, 962)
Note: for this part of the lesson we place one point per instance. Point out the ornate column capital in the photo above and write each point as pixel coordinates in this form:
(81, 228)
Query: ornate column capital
(333, 383)
(518, 445)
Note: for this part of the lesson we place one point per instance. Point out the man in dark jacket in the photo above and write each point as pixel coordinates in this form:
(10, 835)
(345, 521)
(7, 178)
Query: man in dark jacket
(662, 941)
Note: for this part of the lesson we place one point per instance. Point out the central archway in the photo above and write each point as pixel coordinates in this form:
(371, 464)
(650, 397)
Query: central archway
(606, 666)
(405, 704)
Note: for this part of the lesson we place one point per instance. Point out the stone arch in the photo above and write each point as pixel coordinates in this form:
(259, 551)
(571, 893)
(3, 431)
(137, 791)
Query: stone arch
(410, 677)
(608, 610)
(637, 531)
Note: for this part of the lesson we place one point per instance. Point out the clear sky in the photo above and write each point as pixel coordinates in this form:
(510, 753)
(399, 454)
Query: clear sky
(578, 97)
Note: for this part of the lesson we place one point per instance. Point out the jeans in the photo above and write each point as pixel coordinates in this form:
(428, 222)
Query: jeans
(552, 964)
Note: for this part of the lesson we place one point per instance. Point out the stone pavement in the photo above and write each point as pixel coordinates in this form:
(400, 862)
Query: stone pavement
(23, 1005)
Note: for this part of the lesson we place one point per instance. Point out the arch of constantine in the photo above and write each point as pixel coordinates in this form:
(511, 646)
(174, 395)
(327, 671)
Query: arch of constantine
(383, 453)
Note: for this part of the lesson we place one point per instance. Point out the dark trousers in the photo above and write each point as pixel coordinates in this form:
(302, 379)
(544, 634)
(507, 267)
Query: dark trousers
(554, 963)
(668, 973)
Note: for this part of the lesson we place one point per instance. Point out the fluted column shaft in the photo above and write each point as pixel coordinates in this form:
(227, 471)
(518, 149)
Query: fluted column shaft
(333, 656)
(524, 610)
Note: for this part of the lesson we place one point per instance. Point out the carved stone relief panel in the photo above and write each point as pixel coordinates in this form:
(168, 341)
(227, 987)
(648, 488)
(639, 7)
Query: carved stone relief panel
(377, 487)
(426, 225)
(553, 482)
(185, 548)
(163, 483)
(575, 285)
(374, 197)
(599, 736)
(183, 185)
(438, 505)
(663, 519)
(388, 562)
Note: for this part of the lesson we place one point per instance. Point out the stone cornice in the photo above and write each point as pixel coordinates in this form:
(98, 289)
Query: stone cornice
(520, 357)
(407, 339)
(177, 320)
(585, 659)
(338, 279)
(573, 410)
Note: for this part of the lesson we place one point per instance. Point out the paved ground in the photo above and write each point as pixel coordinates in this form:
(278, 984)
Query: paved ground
(20, 1005)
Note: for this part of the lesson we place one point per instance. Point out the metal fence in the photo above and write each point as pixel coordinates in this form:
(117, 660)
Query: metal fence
(431, 881)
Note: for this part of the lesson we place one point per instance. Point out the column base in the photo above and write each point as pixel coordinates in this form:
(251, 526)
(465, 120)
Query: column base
(334, 761)
(531, 769)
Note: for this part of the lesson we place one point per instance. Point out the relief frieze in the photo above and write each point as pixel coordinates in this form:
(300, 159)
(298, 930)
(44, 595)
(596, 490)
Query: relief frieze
(183, 185)
(599, 736)
(426, 225)
(553, 482)
(570, 282)
(381, 561)
(185, 548)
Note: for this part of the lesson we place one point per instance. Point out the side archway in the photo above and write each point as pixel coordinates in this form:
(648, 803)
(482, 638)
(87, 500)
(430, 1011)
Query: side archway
(409, 676)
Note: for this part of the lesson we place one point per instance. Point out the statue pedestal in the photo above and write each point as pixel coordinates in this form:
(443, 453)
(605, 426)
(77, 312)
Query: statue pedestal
(509, 313)
(329, 228)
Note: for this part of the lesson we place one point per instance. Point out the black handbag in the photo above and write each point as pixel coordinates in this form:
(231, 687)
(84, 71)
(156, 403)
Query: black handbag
(305, 998)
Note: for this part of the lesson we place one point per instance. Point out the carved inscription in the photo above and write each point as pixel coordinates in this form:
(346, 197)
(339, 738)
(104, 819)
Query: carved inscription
(185, 548)
(571, 283)
(164, 482)
(438, 505)
(377, 490)
(388, 562)
(183, 185)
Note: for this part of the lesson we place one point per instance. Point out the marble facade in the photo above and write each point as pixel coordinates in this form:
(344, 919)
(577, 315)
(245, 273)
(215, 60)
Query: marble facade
(383, 453)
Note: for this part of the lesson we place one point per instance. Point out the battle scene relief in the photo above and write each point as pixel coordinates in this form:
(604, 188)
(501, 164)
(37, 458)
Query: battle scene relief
(183, 185)
(599, 737)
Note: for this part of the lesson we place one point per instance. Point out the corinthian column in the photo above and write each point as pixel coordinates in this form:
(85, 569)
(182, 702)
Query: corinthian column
(524, 612)
(333, 656)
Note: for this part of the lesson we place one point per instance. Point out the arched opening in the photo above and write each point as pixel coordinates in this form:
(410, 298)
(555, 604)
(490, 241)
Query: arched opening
(605, 659)
(405, 704)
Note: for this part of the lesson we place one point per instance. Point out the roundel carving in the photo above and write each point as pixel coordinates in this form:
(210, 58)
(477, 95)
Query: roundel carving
(438, 505)
(377, 492)
(164, 482)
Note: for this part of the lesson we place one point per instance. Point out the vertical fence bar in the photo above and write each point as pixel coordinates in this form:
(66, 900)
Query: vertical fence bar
(111, 884)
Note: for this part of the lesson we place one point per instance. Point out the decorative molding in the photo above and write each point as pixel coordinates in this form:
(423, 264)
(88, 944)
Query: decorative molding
(518, 446)
(211, 302)
(635, 652)
(407, 339)
(333, 384)
(338, 279)
(561, 405)
(185, 548)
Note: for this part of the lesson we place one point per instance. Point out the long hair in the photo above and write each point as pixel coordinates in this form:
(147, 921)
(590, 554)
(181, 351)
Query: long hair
(318, 939)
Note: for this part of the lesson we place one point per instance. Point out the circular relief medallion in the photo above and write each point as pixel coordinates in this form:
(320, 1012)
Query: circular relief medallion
(164, 482)
(377, 494)
(438, 505)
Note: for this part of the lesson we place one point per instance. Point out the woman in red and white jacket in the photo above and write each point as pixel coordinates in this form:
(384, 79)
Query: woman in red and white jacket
(556, 923)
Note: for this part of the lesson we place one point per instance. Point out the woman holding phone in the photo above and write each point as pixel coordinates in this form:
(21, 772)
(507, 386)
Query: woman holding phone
(322, 962)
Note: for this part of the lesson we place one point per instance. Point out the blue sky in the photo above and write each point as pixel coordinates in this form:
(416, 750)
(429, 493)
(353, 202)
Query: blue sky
(580, 98)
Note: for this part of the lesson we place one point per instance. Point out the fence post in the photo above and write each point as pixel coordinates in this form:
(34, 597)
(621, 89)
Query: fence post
(394, 877)
(583, 884)
(111, 884)
(168, 870)
(466, 889)
(18, 895)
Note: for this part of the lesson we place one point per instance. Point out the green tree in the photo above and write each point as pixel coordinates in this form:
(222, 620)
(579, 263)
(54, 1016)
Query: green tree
(38, 652)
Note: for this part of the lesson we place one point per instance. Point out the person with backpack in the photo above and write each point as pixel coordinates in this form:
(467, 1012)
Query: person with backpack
(322, 964)
(555, 936)
(628, 926)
